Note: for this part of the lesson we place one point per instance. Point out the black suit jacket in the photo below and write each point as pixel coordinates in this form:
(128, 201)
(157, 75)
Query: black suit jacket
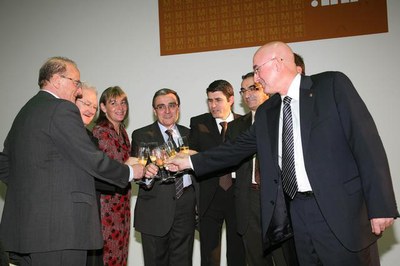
(155, 207)
(48, 164)
(343, 154)
(243, 174)
(205, 135)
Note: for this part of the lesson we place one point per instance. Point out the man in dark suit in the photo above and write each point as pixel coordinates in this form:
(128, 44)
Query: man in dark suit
(165, 220)
(217, 202)
(50, 215)
(247, 188)
(344, 197)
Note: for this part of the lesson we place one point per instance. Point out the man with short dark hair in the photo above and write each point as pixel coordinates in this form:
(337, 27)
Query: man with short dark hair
(217, 204)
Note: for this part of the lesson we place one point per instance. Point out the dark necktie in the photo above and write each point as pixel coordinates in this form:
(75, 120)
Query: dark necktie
(225, 181)
(178, 180)
(224, 126)
(288, 166)
(171, 138)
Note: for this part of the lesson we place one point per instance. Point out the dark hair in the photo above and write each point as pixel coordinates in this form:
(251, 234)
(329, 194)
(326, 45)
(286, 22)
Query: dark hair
(248, 75)
(109, 93)
(221, 85)
(165, 91)
(298, 60)
(54, 65)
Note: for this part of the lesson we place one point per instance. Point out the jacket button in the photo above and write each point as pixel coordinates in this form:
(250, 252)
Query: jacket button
(275, 181)
(272, 202)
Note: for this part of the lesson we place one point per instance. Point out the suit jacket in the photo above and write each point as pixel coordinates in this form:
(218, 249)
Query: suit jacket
(155, 207)
(343, 154)
(243, 174)
(48, 164)
(205, 135)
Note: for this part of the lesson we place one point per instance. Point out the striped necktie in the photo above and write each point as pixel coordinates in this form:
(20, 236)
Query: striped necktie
(289, 181)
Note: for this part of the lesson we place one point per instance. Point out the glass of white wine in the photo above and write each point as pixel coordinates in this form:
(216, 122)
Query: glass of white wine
(152, 146)
(143, 156)
(143, 153)
(183, 143)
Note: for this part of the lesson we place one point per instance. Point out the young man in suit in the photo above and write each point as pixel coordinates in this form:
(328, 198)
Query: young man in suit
(340, 193)
(247, 188)
(217, 202)
(165, 219)
(50, 215)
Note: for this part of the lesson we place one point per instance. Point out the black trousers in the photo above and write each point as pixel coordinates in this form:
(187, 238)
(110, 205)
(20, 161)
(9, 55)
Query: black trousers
(51, 258)
(222, 208)
(176, 247)
(315, 242)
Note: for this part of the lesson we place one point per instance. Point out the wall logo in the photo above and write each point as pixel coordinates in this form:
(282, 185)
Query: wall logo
(315, 3)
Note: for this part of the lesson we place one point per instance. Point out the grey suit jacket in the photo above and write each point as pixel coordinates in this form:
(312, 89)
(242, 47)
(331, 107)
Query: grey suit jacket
(155, 207)
(48, 164)
(343, 154)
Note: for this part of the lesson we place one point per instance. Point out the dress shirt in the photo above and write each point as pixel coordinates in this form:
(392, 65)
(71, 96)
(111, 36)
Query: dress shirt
(253, 173)
(303, 182)
(187, 181)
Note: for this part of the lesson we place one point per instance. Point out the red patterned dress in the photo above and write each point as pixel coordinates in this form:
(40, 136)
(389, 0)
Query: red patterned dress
(115, 208)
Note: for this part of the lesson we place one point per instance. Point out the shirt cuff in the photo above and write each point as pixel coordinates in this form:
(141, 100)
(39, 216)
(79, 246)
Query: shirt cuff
(131, 174)
(191, 164)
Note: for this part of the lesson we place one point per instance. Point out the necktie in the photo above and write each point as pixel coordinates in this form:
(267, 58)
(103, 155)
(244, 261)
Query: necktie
(224, 126)
(178, 180)
(170, 137)
(225, 181)
(289, 182)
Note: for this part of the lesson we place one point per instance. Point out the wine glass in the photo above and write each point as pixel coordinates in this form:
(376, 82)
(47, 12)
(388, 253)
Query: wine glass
(143, 156)
(152, 146)
(183, 143)
(170, 148)
(143, 153)
(160, 155)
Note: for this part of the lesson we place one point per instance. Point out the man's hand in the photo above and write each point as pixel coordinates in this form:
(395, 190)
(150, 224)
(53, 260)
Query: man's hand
(151, 170)
(138, 169)
(379, 225)
(179, 162)
(131, 161)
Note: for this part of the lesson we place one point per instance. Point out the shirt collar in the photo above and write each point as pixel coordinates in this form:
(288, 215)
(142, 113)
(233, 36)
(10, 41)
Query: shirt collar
(228, 119)
(294, 89)
(50, 93)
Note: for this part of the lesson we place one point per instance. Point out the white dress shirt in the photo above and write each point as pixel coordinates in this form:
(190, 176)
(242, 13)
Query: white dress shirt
(187, 181)
(301, 175)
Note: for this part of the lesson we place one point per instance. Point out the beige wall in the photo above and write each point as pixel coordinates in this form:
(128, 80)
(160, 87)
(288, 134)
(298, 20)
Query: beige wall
(117, 43)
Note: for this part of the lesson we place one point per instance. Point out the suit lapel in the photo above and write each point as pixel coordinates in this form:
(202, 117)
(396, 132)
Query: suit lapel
(307, 99)
(158, 134)
(273, 113)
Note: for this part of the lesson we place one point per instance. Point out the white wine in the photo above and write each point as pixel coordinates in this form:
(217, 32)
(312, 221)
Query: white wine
(143, 161)
(184, 149)
(153, 158)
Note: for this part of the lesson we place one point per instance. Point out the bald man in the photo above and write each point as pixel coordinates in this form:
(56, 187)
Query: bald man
(339, 191)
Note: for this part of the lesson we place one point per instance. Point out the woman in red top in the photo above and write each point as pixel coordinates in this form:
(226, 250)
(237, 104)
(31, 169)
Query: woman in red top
(115, 202)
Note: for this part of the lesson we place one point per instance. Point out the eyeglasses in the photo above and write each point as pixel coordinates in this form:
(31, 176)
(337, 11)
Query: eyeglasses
(87, 104)
(77, 83)
(252, 88)
(163, 107)
(258, 68)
